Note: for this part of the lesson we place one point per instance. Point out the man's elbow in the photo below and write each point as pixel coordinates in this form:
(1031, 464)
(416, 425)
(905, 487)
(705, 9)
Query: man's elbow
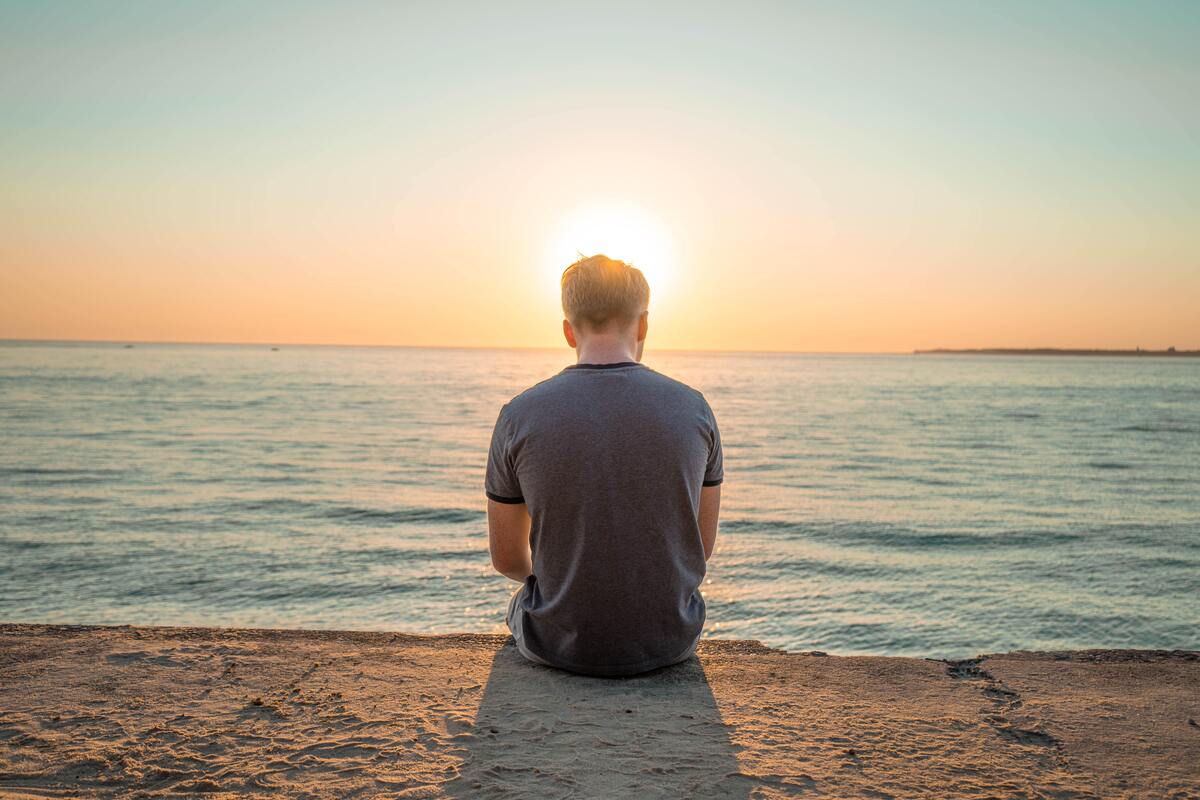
(500, 564)
(509, 567)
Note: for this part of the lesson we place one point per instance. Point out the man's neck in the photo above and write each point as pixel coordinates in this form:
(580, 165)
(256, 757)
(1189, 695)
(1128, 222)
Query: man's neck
(605, 350)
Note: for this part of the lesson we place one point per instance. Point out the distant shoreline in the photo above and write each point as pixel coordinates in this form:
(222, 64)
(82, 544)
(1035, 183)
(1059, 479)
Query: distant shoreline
(1056, 351)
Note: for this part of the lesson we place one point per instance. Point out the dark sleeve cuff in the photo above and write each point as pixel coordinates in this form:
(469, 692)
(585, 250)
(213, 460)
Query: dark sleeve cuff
(716, 482)
(512, 501)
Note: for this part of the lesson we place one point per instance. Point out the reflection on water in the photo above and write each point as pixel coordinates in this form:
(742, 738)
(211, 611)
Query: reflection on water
(887, 504)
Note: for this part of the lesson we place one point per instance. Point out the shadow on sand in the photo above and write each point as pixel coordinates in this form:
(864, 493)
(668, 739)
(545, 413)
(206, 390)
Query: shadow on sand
(540, 732)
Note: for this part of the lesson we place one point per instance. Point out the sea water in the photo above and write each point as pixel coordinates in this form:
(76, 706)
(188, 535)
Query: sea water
(896, 504)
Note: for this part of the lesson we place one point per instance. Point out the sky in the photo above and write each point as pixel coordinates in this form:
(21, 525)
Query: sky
(840, 176)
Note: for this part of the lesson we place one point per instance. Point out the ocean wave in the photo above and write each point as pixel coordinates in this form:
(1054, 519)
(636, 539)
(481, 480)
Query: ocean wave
(351, 514)
(761, 466)
(995, 536)
(401, 516)
(870, 535)
(1161, 428)
(20, 471)
(46, 477)
(25, 544)
(389, 555)
(113, 434)
(791, 567)
(266, 592)
(919, 480)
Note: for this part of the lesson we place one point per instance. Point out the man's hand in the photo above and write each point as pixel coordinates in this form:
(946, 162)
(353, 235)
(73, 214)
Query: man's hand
(710, 509)
(508, 539)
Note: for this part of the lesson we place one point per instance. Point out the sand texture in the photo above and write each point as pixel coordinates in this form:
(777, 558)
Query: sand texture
(167, 712)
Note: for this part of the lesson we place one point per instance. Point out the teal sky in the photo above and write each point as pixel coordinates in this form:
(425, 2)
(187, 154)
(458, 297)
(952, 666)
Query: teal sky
(841, 176)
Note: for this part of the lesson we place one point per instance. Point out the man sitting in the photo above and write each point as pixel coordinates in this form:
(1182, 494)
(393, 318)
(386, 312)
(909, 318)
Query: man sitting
(603, 486)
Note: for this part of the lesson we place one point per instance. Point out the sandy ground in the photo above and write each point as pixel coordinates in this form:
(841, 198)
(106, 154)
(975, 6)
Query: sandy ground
(148, 712)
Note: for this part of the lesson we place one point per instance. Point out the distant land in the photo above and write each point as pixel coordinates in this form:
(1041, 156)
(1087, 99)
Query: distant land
(1056, 351)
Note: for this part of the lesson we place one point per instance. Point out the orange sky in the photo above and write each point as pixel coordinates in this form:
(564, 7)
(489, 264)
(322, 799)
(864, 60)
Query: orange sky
(835, 179)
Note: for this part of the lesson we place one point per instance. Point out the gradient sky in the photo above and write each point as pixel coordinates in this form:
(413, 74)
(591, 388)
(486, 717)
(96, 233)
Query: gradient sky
(794, 176)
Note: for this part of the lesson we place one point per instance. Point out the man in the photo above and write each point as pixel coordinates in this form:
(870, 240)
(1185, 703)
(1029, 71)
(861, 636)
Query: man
(603, 486)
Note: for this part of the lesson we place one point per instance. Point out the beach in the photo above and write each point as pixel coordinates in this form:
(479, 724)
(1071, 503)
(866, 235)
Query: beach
(160, 712)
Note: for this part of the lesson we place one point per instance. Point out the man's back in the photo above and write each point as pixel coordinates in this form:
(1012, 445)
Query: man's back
(610, 460)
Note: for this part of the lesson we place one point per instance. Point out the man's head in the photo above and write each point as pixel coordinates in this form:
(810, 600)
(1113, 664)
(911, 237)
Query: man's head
(605, 299)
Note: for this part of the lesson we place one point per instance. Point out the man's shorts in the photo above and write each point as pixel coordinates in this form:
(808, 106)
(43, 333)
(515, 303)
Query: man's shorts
(514, 624)
(513, 619)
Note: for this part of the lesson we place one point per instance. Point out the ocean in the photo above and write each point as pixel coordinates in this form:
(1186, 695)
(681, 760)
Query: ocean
(937, 506)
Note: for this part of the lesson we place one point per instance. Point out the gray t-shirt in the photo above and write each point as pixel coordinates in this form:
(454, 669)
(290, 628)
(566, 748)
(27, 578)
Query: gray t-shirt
(609, 459)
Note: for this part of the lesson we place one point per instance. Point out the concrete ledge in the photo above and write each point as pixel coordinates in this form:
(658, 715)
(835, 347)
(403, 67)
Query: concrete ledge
(124, 711)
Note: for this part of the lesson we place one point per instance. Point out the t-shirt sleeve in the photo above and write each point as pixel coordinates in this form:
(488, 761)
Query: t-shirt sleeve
(714, 470)
(500, 481)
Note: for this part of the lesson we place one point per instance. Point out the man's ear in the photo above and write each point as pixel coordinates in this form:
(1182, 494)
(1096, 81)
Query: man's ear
(569, 333)
(643, 325)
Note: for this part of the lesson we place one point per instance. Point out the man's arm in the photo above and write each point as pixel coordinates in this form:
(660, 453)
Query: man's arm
(710, 509)
(508, 539)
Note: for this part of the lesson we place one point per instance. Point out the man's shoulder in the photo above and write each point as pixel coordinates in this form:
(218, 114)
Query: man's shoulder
(529, 400)
(538, 391)
(669, 384)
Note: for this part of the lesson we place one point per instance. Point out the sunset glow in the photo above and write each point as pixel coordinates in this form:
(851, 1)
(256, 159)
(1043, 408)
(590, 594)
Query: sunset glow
(838, 178)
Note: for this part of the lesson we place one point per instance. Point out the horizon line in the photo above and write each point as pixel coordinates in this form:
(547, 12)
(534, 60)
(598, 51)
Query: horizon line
(731, 351)
(21, 340)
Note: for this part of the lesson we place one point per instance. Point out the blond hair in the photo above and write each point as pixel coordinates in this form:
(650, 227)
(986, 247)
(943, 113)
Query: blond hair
(598, 290)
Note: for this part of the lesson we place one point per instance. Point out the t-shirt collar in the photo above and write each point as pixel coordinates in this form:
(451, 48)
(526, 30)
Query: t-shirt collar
(613, 365)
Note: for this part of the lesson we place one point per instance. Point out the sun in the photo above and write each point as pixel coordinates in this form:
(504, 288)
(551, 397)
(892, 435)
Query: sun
(625, 233)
